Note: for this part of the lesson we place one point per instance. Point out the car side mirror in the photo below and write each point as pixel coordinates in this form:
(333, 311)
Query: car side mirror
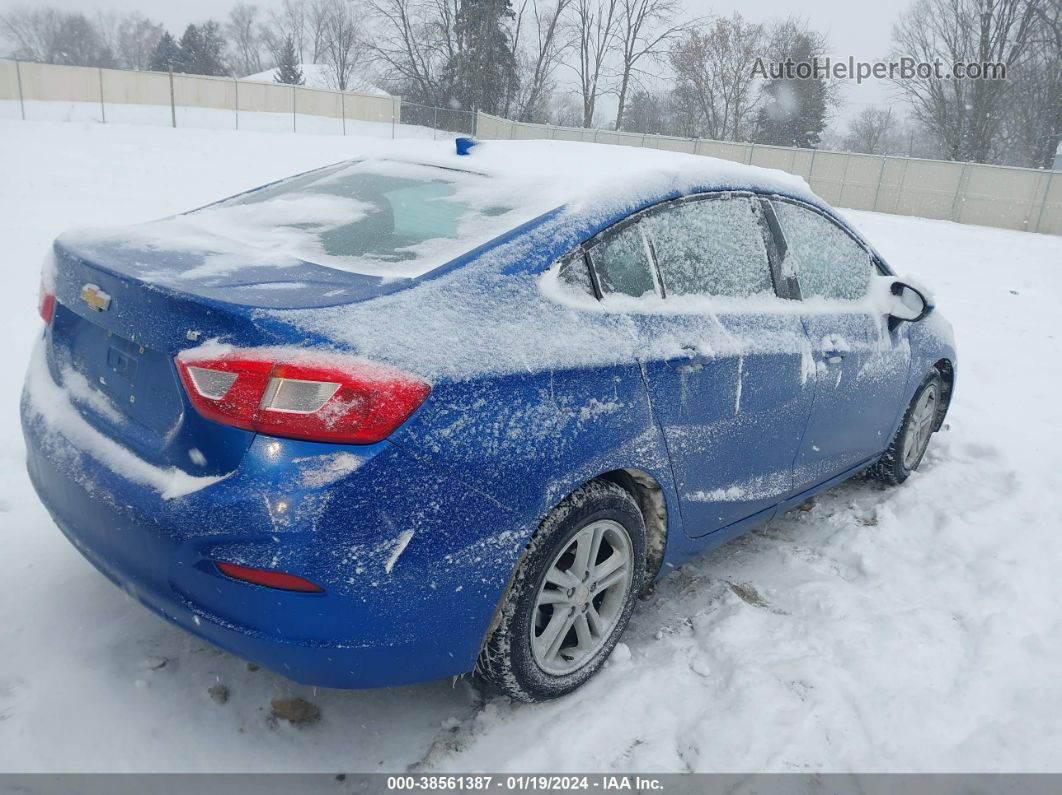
(908, 303)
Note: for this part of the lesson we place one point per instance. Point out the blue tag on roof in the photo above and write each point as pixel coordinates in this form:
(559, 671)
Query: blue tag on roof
(464, 145)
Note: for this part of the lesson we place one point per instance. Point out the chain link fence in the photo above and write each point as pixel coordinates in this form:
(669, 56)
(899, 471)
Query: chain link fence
(53, 92)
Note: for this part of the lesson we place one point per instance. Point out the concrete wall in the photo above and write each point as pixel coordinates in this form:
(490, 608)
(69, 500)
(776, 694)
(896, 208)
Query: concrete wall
(24, 82)
(1012, 198)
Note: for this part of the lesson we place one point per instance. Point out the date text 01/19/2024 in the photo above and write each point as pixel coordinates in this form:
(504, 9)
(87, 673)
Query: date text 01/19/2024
(518, 783)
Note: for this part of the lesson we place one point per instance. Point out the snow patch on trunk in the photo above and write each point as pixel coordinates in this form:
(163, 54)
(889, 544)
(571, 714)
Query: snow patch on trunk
(65, 427)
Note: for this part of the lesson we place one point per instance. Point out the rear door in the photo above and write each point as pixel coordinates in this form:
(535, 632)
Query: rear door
(861, 363)
(723, 365)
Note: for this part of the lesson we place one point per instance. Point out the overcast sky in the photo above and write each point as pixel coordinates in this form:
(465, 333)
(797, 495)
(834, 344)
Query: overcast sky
(858, 28)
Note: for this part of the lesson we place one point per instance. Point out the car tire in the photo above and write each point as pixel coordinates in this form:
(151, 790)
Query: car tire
(563, 614)
(908, 446)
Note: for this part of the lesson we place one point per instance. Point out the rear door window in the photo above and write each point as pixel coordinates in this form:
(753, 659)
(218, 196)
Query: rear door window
(826, 260)
(712, 246)
(623, 263)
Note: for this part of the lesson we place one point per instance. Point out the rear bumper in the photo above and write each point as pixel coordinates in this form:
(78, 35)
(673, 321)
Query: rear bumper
(387, 616)
(323, 665)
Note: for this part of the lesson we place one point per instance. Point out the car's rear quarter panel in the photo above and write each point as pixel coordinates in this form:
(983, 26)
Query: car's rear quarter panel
(385, 618)
(530, 439)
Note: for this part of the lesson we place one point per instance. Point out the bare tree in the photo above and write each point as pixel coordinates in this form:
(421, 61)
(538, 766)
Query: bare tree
(31, 32)
(594, 24)
(52, 36)
(1032, 121)
(135, 40)
(872, 132)
(540, 57)
(412, 42)
(105, 25)
(643, 31)
(565, 110)
(288, 21)
(964, 114)
(245, 35)
(341, 33)
(714, 76)
(319, 20)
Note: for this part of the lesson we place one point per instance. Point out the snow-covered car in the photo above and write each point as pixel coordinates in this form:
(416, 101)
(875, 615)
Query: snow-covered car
(419, 413)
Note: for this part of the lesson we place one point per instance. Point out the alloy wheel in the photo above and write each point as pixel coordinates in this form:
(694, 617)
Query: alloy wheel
(582, 597)
(920, 427)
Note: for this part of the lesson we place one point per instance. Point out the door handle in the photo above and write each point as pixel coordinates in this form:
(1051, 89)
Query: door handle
(832, 357)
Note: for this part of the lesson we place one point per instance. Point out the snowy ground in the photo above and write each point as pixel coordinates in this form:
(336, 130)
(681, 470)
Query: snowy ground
(914, 629)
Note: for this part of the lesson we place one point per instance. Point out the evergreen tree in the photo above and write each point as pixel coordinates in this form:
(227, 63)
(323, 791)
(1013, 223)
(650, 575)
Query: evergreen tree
(288, 70)
(211, 56)
(189, 46)
(166, 55)
(201, 50)
(482, 73)
(795, 113)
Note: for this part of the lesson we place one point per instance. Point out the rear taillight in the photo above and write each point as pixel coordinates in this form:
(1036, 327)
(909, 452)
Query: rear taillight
(332, 399)
(46, 305)
(268, 578)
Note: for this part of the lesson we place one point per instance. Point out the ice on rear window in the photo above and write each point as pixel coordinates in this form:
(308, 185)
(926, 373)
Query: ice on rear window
(376, 217)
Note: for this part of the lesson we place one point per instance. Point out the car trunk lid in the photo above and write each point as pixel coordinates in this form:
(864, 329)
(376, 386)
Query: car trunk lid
(125, 310)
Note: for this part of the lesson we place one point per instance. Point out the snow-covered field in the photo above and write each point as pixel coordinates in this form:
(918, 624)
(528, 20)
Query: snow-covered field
(916, 629)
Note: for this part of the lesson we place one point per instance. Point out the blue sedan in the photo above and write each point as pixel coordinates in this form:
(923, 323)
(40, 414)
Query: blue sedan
(428, 412)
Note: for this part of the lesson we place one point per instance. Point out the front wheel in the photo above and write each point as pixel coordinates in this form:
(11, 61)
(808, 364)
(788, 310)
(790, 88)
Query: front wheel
(909, 445)
(571, 596)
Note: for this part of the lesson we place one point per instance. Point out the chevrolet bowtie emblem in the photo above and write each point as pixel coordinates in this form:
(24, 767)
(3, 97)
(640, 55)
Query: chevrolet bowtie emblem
(92, 295)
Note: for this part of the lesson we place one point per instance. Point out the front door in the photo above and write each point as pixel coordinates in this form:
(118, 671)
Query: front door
(861, 364)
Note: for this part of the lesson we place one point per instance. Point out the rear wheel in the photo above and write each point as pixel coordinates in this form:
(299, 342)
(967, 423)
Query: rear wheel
(909, 445)
(571, 597)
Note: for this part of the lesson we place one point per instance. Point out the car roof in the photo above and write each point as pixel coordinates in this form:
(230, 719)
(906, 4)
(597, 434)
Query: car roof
(562, 193)
(582, 175)
(589, 187)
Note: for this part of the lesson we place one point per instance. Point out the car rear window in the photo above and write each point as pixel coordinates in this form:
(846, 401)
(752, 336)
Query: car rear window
(379, 217)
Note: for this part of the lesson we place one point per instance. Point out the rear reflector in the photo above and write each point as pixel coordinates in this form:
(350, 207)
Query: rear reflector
(297, 397)
(326, 399)
(46, 307)
(270, 579)
(211, 384)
